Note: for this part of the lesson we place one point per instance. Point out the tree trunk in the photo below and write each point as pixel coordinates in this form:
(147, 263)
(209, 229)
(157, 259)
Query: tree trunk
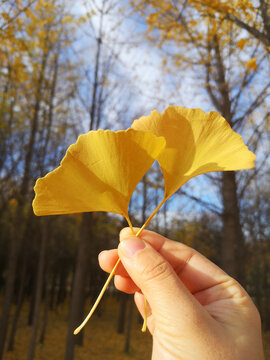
(79, 282)
(144, 204)
(22, 282)
(19, 305)
(45, 317)
(233, 244)
(61, 295)
(257, 281)
(10, 279)
(265, 11)
(122, 313)
(129, 325)
(39, 288)
(165, 230)
(78, 289)
(52, 290)
(32, 301)
(19, 224)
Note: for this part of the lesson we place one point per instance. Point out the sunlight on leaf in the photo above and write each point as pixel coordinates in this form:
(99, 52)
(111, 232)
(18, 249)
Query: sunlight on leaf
(101, 171)
(196, 143)
(98, 173)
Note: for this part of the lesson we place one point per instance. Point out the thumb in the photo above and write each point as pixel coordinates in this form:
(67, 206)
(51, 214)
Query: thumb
(166, 294)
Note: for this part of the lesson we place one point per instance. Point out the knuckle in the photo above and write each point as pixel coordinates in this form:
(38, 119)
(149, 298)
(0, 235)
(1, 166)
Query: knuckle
(160, 270)
(234, 288)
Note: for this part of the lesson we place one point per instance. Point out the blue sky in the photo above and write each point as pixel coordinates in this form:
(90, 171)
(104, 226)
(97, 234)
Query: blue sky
(140, 65)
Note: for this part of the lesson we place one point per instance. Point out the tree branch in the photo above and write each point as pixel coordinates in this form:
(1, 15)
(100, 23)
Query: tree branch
(209, 206)
(256, 33)
(255, 104)
(253, 175)
(17, 15)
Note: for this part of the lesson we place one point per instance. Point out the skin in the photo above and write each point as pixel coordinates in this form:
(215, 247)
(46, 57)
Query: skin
(195, 310)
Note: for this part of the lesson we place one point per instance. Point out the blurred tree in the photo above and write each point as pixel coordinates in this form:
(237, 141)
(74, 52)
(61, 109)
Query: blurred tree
(252, 16)
(96, 92)
(129, 324)
(28, 69)
(202, 233)
(39, 288)
(256, 225)
(232, 65)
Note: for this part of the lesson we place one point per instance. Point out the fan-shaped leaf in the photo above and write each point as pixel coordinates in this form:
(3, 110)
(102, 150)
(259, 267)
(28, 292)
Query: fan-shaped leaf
(98, 173)
(196, 143)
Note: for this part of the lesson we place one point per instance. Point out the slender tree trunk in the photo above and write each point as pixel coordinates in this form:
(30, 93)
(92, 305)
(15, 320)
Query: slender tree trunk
(78, 290)
(233, 254)
(22, 281)
(61, 295)
(47, 272)
(51, 104)
(19, 224)
(45, 317)
(129, 325)
(93, 110)
(122, 313)
(52, 290)
(165, 231)
(19, 305)
(39, 288)
(257, 280)
(15, 322)
(144, 204)
(32, 301)
(10, 280)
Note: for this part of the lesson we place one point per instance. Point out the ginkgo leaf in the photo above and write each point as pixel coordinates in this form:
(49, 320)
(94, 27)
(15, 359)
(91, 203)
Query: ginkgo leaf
(98, 173)
(252, 64)
(196, 143)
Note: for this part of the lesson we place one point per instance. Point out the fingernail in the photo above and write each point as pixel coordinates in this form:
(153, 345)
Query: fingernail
(131, 246)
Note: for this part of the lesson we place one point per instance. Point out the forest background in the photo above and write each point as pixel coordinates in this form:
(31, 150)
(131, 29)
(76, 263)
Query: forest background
(70, 67)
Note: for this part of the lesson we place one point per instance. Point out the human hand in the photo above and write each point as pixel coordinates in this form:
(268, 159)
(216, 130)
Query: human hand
(196, 311)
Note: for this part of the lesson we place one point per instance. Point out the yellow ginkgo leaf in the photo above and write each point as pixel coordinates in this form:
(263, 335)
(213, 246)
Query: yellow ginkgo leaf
(196, 143)
(98, 173)
(252, 64)
(242, 43)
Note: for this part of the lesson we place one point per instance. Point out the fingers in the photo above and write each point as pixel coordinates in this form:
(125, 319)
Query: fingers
(164, 291)
(125, 284)
(122, 281)
(107, 259)
(194, 270)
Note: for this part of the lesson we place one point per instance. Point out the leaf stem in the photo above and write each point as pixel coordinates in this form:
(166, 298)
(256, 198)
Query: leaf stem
(129, 224)
(144, 327)
(151, 217)
(79, 328)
